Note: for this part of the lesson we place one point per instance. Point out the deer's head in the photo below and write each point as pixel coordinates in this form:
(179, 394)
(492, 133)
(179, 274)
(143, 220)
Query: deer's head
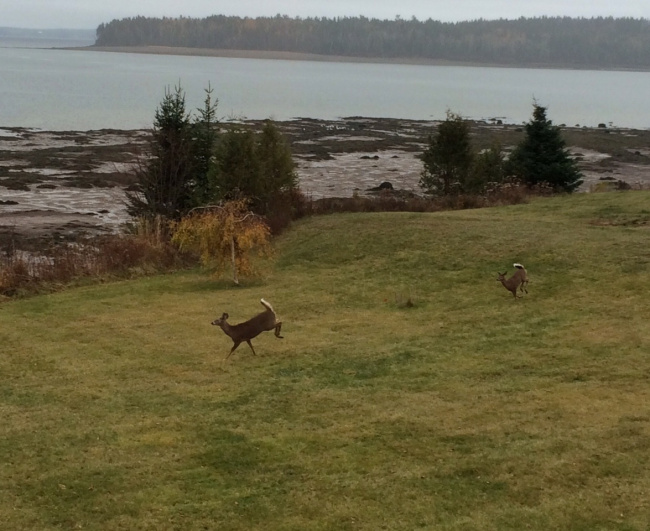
(221, 320)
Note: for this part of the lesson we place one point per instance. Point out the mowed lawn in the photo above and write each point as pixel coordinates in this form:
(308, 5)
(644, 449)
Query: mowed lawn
(410, 391)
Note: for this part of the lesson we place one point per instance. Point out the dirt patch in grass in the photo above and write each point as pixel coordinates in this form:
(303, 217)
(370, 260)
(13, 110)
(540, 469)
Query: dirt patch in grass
(58, 184)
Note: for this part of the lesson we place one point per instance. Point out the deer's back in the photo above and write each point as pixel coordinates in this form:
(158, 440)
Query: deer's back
(256, 325)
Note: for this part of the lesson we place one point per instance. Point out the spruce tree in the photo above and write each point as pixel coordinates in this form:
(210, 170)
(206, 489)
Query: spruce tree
(204, 141)
(448, 158)
(277, 167)
(236, 169)
(542, 157)
(255, 166)
(163, 185)
(487, 170)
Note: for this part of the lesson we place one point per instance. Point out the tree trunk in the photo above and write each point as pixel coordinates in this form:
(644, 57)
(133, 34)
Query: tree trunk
(234, 263)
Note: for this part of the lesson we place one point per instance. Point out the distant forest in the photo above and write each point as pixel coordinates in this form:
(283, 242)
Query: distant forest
(618, 43)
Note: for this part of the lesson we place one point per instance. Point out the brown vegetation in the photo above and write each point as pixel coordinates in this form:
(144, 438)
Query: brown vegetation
(92, 258)
(388, 201)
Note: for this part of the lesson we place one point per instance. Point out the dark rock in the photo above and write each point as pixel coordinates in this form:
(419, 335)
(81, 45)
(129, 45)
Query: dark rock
(386, 185)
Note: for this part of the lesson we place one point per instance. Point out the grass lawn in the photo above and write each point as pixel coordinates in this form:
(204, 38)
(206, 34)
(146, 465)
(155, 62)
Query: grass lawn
(465, 410)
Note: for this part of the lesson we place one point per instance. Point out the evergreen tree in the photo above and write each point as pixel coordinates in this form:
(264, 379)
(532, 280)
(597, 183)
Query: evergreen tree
(542, 157)
(191, 165)
(204, 142)
(487, 169)
(236, 170)
(448, 158)
(277, 169)
(253, 166)
(164, 181)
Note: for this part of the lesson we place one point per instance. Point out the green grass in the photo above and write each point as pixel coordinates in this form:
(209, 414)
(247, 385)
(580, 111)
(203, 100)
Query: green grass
(468, 410)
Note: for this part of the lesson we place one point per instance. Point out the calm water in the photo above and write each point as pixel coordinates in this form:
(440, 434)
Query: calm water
(81, 90)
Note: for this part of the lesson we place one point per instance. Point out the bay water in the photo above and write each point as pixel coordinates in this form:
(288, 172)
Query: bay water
(56, 89)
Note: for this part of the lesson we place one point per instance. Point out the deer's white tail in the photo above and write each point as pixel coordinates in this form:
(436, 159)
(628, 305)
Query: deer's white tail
(519, 266)
(267, 305)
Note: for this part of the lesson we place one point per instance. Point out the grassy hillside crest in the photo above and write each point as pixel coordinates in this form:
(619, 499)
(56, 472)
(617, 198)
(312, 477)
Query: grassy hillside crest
(464, 410)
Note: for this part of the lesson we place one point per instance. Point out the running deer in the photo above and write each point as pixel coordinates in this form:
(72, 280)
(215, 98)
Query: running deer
(247, 330)
(518, 280)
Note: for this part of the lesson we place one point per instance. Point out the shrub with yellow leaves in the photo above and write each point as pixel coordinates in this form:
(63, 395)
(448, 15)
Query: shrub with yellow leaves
(226, 234)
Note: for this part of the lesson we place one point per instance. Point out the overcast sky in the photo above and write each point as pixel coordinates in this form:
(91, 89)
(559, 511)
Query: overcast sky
(88, 14)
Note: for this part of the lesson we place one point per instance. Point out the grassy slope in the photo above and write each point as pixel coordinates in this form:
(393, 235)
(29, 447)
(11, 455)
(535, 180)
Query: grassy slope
(467, 411)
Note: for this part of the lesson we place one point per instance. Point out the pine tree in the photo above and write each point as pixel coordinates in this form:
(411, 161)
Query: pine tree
(277, 168)
(164, 181)
(542, 157)
(487, 170)
(236, 170)
(255, 166)
(204, 140)
(191, 165)
(448, 158)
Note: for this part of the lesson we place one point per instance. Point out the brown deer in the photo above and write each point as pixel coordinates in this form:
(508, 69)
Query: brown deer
(518, 280)
(247, 330)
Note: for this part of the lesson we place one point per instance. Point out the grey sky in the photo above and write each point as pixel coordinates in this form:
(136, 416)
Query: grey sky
(90, 13)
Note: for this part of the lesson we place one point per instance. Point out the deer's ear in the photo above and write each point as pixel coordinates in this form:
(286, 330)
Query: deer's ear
(224, 316)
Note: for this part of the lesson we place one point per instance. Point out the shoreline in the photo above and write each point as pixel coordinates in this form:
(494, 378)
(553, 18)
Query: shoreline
(303, 56)
(56, 184)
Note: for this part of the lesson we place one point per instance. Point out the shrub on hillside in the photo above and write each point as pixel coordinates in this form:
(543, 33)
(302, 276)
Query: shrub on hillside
(226, 235)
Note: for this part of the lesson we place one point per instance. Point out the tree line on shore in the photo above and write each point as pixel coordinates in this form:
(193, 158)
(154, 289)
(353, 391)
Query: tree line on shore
(602, 42)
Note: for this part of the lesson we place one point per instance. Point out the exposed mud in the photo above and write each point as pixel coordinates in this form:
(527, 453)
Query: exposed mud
(60, 184)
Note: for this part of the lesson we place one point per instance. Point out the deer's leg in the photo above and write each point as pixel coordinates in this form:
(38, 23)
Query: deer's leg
(251, 346)
(237, 343)
(278, 326)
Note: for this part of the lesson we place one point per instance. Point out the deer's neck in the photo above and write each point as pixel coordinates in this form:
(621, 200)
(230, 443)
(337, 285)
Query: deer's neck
(226, 328)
